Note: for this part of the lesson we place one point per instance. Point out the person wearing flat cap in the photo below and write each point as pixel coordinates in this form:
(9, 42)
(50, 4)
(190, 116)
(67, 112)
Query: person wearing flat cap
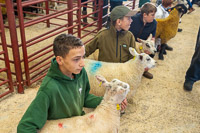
(113, 43)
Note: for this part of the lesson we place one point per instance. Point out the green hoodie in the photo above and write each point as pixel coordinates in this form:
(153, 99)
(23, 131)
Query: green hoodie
(58, 97)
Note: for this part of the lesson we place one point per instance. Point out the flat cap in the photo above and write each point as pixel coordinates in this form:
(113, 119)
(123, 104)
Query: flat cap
(121, 11)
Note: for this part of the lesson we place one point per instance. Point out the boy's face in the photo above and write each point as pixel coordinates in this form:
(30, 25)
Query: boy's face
(149, 18)
(73, 61)
(125, 23)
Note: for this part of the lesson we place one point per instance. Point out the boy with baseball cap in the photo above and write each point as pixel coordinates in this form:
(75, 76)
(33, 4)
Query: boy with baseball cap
(113, 43)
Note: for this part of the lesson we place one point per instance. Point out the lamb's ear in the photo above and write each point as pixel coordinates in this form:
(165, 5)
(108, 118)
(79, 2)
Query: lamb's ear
(140, 40)
(150, 37)
(101, 80)
(133, 51)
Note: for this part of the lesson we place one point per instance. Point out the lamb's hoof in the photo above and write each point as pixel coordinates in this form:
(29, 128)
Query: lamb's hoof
(168, 48)
(180, 30)
(161, 57)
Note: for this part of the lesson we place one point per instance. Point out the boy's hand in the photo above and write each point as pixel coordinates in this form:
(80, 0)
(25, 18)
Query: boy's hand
(146, 69)
(147, 52)
(124, 104)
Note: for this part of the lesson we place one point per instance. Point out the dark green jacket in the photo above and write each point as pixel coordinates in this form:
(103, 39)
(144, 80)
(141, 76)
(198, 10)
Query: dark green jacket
(113, 45)
(58, 97)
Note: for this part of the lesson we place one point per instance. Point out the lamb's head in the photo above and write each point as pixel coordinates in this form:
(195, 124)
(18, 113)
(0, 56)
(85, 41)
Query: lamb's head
(181, 8)
(148, 44)
(116, 90)
(145, 59)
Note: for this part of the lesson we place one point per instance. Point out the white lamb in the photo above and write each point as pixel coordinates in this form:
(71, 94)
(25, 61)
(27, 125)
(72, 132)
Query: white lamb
(104, 119)
(148, 45)
(130, 71)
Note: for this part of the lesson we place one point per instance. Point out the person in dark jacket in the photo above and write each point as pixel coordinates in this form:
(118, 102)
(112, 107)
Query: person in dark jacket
(193, 72)
(65, 89)
(114, 42)
(143, 25)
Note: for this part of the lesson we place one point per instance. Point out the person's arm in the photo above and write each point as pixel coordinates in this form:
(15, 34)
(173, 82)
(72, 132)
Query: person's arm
(154, 30)
(91, 101)
(36, 115)
(91, 46)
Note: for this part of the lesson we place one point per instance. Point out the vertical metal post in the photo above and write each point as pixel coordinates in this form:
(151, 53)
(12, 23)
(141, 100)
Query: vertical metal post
(14, 42)
(70, 15)
(23, 40)
(47, 12)
(3, 41)
(100, 14)
(79, 18)
(133, 7)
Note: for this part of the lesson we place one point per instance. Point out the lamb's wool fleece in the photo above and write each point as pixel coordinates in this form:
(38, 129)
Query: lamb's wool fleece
(130, 72)
(104, 119)
(167, 27)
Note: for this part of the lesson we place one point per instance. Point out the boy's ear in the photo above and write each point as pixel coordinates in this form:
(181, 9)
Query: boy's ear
(59, 60)
(145, 15)
(118, 22)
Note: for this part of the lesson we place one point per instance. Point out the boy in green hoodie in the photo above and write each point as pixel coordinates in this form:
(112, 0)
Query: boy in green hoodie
(65, 89)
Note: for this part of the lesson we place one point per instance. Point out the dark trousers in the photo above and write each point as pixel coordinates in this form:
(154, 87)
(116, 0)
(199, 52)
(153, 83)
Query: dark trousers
(193, 72)
(84, 8)
(105, 3)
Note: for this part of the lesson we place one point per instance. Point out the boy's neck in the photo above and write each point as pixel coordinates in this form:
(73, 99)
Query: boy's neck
(144, 21)
(70, 75)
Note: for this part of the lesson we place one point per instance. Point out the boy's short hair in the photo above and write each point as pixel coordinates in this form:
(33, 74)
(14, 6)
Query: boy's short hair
(64, 42)
(148, 8)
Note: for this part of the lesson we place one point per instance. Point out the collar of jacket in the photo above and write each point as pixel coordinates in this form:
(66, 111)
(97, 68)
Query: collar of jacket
(114, 30)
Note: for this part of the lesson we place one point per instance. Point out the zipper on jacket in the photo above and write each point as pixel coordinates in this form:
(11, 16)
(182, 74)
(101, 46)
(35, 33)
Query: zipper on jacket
(120, 53)
(117, 44)
(140, 32)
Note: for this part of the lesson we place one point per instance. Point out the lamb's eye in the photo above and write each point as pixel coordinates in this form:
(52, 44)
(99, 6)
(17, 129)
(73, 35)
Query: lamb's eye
(125, 86)
(148, 59)
(147, 45)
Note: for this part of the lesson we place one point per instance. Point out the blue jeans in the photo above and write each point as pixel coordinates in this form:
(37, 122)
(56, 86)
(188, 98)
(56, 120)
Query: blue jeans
(193, 72)
(189, 3)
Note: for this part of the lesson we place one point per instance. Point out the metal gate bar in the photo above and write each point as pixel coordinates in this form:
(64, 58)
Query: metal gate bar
(6, 81)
